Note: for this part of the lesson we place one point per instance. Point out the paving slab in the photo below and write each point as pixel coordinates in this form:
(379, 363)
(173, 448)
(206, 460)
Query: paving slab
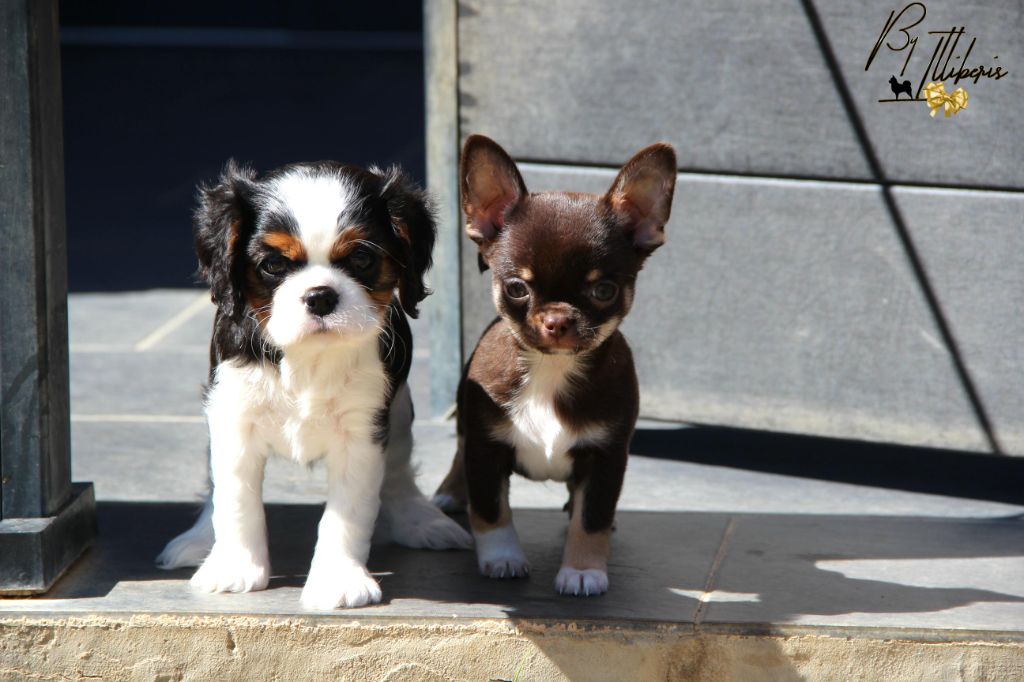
(131, 383)
(743, 574)
(166, 461)
(118, 575)
(123, 319)
(876, 572)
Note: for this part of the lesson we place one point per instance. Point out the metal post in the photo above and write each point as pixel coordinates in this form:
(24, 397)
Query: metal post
(445, 306)
(46, 522)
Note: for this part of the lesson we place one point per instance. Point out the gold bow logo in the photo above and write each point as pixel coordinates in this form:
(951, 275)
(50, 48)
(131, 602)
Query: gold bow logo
(935, 95)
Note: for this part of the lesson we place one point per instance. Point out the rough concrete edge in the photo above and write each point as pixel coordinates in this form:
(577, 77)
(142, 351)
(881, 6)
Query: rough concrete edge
(179, 647)
(590, 627)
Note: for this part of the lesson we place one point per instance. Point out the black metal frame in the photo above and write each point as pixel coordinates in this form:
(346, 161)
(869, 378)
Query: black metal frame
(46, 522)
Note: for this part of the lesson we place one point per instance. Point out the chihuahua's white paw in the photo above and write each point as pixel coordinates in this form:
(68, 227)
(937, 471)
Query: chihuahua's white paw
(581, 583)
(504, 566)
(417, 523)
(448, 503)
(499, 555)
(232, 570)
(188, 549)
(347, 588)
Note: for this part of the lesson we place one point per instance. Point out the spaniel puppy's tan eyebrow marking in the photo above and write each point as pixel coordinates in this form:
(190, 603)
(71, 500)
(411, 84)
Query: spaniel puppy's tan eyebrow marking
(347, 242)
(288, 245)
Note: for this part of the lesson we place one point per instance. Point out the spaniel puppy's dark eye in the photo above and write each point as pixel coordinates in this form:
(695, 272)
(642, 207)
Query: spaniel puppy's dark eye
(362, 259)
(275, 266)
(516, 289)
(604, 291)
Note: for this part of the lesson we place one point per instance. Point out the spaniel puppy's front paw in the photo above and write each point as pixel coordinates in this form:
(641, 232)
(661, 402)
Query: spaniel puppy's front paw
(345, 588)
(232, 570)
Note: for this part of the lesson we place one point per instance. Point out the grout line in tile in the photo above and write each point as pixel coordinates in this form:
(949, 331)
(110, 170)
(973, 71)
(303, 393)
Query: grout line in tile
(99, 348)
(716, 563)
(190, 419)
(115, 349)
(180, 318)
(138, 418)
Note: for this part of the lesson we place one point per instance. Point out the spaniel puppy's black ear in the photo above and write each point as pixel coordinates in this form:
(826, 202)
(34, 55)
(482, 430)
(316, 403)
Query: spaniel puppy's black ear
(412, 219)
(222, 225)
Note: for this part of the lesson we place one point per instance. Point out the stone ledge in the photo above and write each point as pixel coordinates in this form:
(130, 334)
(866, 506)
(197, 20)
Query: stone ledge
(179, 647)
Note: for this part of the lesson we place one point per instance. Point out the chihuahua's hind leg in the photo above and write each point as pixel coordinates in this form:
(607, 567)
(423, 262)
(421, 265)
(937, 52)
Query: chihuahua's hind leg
(451, 494)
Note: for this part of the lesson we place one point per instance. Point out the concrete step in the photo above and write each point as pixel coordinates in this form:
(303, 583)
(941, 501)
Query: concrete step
(701, 596)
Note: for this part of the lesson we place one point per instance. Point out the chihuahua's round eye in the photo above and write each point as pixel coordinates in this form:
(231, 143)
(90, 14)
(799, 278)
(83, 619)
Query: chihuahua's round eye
(604, 292)
(362, 259)
(274, 265)
(516, 289)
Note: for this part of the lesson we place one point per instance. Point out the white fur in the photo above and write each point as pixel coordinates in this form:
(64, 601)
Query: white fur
(319, 405)
(499, 554)
(406, 516)
(542, 441)
(192, 546)
(316, 202)
(581, 582)
(356, 317)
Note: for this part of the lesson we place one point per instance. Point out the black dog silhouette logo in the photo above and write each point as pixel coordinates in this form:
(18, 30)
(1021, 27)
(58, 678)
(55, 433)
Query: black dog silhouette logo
(898, 87)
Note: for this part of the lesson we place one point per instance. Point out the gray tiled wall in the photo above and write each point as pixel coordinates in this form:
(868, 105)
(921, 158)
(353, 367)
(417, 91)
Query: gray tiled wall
(780, 301)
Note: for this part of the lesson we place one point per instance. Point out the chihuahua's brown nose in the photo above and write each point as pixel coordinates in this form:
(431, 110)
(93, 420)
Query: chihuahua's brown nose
(557, 325)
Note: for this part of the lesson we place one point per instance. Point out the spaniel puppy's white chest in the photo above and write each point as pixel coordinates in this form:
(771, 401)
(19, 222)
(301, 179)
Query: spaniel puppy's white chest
(305, 407)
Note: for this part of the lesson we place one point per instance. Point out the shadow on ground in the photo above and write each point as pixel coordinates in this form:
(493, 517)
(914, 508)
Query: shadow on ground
(935, 471)
(776, 569)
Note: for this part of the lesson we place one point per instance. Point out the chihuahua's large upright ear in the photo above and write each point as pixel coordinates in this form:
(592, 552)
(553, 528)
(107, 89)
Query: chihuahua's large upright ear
(491, 186)
(222, 225)
(641, 196)
(412, 219)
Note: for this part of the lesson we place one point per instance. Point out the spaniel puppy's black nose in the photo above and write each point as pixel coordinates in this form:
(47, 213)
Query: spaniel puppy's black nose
(321, 300)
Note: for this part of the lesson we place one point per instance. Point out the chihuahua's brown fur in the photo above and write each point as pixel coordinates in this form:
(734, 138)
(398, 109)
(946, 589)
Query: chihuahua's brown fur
(550, 391)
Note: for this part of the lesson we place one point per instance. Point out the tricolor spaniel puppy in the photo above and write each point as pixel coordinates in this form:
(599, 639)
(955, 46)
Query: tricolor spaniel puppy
(313, 268)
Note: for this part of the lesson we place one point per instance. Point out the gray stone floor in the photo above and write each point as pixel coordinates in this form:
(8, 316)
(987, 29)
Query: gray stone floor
(695, 544)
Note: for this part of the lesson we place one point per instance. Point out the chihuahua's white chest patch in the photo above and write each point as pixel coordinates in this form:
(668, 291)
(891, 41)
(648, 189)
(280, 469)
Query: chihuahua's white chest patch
(541, 439)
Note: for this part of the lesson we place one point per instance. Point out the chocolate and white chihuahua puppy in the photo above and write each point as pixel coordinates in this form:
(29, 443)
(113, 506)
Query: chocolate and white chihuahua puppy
(550, 391)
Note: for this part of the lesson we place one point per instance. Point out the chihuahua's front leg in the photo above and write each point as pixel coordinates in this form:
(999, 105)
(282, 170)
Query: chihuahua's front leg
(338, 575)
(584, 570)
(488, 468)
(239, 560)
